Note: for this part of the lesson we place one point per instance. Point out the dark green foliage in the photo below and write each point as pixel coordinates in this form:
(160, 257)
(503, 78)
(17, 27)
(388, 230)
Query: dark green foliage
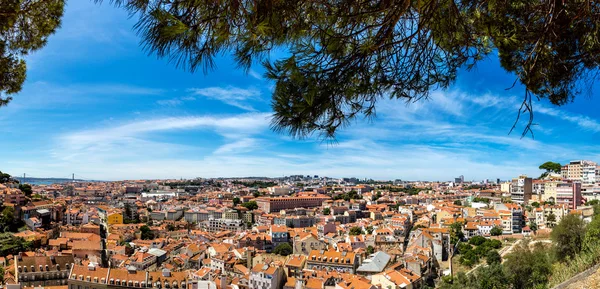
(351, 195)
(533, 226)
(592, 234)
(256, 184)
(551, 167)
(8, 221)
(568, 236)
(469, 258)
(535, 204)
(354, 231)
(477, 240)
(24, 27)
(13, 245)
(592, 202)
(528, 268)
(469, 255)
(326, 211)
(147, 233)
(458, 203)
(236, 201)
(456, 233)
(26, 189)
(496, 231)
(481, 200)
(283, 249)
(493, 257)
(370, 250)
(4, 177)
(369, 230)
(251, 205)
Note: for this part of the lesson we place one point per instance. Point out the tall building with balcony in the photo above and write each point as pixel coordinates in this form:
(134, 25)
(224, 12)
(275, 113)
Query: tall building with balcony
(521, 189)
(584, 171)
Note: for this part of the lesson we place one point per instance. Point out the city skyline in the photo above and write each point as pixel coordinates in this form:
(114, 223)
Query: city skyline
(96, 104)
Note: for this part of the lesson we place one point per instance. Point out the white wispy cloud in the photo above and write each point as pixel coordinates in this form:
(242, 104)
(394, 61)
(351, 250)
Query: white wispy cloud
(242, 124)
(255, 74)
(238, 146)
(582, 121)
(234, 96)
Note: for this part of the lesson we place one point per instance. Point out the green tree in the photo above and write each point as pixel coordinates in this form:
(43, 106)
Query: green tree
(354, 231)
(4, 177)
(551, 167)
(344, 57)
(533, 226)
(551, 219)
(493, 257)
(369, 230)
(568, 236)
(490, 277)
(534, 263)
(24, 27)
(26, 189)
(456, 233)
(147, 233)
(236, 201)
(251, 205)
(326, 211)
(496, 231)
(458, 203)
(592, 234)
(8, 218)
(477, 240)
(535, 204)
(592, 202)
(283, 249)
(370, 250)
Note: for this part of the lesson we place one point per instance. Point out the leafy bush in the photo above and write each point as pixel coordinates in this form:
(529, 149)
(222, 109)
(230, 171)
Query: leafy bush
(477, 240)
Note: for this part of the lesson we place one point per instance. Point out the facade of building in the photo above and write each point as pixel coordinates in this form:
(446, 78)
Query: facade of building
(42, 271)
(332, 260)
(270, 205)
(219, 225)
(584, 171)
(94, 277)
(114, 218)
(521, 190)
(569, 193)
(266, 277)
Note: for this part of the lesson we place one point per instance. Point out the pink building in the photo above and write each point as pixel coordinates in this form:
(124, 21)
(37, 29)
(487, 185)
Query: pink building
(569, 193)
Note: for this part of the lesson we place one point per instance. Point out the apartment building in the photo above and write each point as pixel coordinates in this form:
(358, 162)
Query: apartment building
(219, 225)
(266, 277)
(569, 193)
(270, 205)
(94, 277)
(521, 189)
(581, 170)
(42, 271)
(332, 260)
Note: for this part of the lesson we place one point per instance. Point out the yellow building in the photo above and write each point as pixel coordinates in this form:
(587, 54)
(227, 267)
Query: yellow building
(114, 218)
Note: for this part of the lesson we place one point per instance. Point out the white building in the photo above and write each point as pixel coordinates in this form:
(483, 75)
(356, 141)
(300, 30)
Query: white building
(265, 276)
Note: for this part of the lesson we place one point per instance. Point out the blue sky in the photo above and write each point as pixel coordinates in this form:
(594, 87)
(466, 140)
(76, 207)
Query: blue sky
(96, 105)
